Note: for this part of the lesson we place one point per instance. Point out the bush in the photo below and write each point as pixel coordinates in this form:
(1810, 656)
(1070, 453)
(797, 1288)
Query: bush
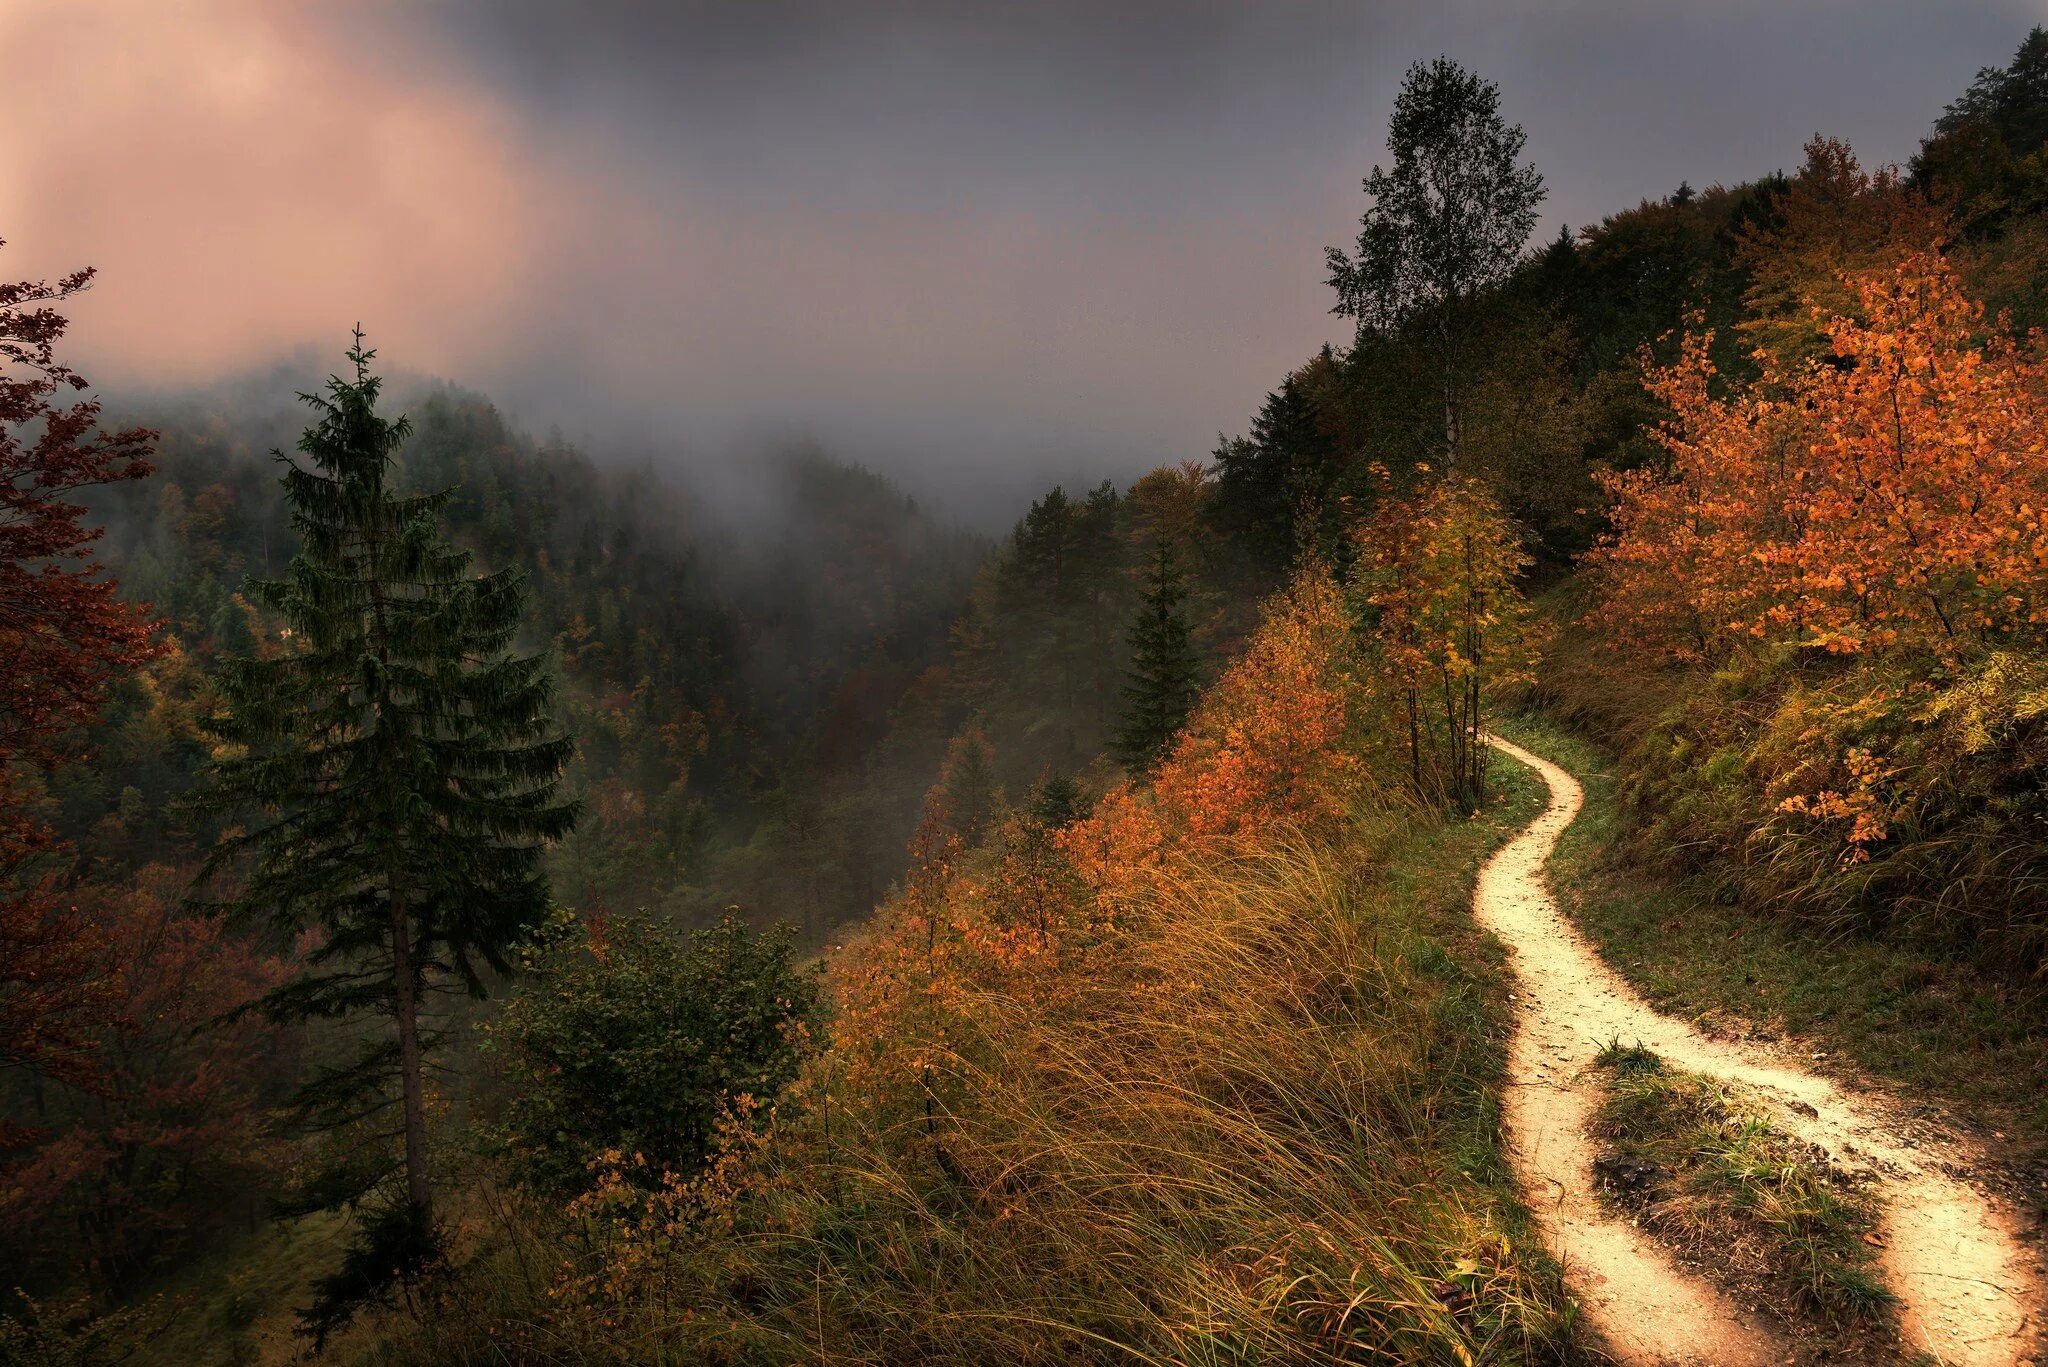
(632, 1038)
(1863, 794)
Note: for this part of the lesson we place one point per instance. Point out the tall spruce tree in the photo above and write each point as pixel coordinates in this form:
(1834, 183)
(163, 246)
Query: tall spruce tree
(398, 771)
(1280, 489)
(1163, 680)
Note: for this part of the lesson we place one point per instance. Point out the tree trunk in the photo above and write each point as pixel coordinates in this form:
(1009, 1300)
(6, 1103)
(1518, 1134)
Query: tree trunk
(410, 1081)
(404, 982)
(1450, 378)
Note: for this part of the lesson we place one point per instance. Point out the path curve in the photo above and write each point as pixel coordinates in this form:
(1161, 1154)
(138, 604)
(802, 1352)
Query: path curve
(1970, 1291)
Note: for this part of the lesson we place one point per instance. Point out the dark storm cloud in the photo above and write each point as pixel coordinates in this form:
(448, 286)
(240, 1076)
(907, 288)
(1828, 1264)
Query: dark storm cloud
(978, 244)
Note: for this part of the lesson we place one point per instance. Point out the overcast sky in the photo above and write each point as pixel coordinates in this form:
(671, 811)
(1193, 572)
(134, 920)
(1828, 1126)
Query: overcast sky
(977, 245)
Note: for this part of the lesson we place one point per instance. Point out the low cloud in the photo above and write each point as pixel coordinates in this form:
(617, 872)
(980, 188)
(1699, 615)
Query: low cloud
(978, 246)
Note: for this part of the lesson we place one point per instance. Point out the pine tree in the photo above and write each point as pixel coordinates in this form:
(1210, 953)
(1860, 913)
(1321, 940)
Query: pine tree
(1042, 578)
(1100, 558)
(1162, 682)
(1058, 800)
(1279, 490)
(966, 795)
(398, 769)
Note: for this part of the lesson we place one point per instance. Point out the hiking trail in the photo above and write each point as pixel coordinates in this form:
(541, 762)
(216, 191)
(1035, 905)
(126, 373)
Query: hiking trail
(1970, 1291)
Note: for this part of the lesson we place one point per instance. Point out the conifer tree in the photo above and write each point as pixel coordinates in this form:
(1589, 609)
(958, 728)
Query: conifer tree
(1162, 682)
(966, 794)
(1042, 578)
(1058, 800)
(398, 771)
(1100, 557)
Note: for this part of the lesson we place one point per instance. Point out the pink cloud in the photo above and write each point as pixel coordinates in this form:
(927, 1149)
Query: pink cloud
(245, 185)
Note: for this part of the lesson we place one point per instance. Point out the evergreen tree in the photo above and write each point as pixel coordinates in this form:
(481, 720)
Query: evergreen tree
(1042, 577)
(1058, 800)
(1280, 490)
(965, 795)
(1100, 559)
(1162, 682)
(398, 770)
(2009, 102)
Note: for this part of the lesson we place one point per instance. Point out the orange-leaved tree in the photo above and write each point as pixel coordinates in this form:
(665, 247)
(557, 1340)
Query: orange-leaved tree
(1272, 742)
(1890, 498)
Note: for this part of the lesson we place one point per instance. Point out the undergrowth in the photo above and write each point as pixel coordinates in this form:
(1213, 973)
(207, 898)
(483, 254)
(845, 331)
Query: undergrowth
(1208, 1076)
(1264, 1130)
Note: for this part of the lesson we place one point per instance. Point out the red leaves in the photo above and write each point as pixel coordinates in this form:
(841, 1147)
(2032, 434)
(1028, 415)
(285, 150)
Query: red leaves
(63, 631)
(56, 990)
(145, 1012)
(63, 634)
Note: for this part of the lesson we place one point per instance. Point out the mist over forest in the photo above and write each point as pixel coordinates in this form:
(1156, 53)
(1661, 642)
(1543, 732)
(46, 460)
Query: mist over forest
(982, 249)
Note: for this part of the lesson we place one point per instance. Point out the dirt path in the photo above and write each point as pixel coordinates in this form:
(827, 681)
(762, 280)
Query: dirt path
(1971, 1292)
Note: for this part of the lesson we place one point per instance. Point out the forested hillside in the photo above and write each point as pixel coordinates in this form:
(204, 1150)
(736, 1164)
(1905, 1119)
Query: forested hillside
(395, 833)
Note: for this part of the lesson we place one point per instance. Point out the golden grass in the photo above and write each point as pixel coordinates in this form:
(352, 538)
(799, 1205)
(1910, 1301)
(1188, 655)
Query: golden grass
(1253, 1123)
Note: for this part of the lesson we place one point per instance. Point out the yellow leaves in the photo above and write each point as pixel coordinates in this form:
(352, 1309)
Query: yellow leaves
(644, 1220)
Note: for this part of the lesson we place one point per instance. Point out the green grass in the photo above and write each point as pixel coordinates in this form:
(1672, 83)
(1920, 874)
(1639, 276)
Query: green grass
(238, 1304)
(1936, 1026)
(1426, 881)
(1702, 1163)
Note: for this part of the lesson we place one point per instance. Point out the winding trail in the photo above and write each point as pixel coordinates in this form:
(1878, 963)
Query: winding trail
(1971, 1293)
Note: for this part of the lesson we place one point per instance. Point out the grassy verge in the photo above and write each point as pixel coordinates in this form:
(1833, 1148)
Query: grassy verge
(1423, 882)
(1258, 1121)
(1700, 1161)
(1977, 1045)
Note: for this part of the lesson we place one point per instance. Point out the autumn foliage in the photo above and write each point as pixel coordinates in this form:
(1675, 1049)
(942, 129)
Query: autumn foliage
(63, 630)
(1151, 1079)
(1858, 546)
(1892, 498)
(63, 634)
(55, 992)
(1267, 751)
(171, 1137)
(1437, 590)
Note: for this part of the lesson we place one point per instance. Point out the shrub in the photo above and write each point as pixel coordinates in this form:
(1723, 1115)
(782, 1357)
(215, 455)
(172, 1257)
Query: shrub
(631, 1038)
(1863, 794)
